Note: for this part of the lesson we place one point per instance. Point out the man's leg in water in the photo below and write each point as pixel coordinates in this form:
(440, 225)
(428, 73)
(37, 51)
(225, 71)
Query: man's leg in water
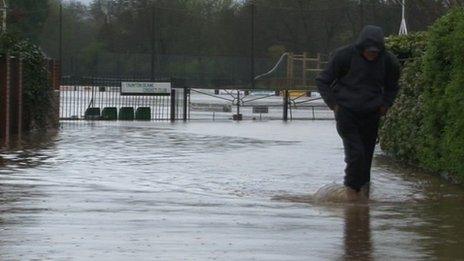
(369, 132)
(348, 127)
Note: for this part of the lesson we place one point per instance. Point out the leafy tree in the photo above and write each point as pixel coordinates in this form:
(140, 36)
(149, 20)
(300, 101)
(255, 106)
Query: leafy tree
(27, 17)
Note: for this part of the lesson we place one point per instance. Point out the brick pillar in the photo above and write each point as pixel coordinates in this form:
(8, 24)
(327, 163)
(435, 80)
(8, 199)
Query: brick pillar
(4, 99)
(55, 74)
(15, 96)
(20, 97)
(56, 81)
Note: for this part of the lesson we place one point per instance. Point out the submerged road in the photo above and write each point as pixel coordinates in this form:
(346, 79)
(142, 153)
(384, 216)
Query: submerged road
(203, 191)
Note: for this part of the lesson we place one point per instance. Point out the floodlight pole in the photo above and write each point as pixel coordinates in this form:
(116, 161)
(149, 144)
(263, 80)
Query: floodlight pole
(4, 9)
(153, 41)
(403, 26)
(60, 47)
(252, 58)
(361, 11)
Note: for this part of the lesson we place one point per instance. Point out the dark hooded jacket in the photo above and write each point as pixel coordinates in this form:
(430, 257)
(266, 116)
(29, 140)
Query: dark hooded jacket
(351, 81)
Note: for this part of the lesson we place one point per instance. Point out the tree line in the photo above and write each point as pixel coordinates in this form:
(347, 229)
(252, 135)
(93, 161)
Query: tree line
(142, 29)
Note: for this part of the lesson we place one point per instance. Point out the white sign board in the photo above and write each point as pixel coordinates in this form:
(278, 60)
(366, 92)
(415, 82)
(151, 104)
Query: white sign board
(145, 88)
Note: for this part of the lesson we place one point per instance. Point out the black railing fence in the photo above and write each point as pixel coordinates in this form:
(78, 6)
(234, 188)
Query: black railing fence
(198, 71)
(101, 98)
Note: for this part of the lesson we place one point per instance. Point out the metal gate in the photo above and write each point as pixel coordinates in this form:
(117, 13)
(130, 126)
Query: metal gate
(101, 98)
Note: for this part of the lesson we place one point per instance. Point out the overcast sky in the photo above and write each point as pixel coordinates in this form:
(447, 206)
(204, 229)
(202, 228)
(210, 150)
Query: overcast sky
(85, 1)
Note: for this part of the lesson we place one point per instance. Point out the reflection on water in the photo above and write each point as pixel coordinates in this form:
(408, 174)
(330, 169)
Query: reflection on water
(357, 233)
(28, 151)
(357, 228)
(199, 191)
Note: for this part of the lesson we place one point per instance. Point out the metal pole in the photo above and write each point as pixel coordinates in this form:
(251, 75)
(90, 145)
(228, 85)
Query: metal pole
(252, 71)
(403, 10)
(304, 69)
(285, 112)
(362, 12)
(403, 26)
(238, 103)
(173, 105)
(186, 90)
(153, 43)
(61, 35)
(4, 16)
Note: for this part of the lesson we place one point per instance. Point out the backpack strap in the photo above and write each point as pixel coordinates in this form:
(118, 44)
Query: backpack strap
(345, 65)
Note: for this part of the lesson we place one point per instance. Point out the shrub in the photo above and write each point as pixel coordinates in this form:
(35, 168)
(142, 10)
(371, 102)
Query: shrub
(407, 46)
(37, 89)
(398, 134)
(442, 128)
(426, 124)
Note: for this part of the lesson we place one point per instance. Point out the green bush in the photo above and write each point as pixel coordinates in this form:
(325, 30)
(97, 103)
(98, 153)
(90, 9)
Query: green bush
(407, 46)
(426, 124)
(442, 128)
(37, 90)
(398, 134)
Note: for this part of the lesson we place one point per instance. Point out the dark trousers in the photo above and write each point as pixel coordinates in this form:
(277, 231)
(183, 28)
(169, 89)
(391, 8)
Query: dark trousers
(358, 131)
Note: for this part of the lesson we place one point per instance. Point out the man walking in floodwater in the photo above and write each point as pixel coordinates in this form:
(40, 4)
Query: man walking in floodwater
(360, 84)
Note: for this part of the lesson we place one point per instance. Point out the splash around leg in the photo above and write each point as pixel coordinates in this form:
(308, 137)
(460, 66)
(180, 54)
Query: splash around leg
(331, 194)
(336, 193)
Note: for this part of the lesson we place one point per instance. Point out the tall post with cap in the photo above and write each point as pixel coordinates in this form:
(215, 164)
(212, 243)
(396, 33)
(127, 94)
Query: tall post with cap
(403, 26)
(4, 16)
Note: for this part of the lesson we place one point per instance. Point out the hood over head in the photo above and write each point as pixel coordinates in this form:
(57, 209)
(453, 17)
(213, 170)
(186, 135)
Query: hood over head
(371, 36)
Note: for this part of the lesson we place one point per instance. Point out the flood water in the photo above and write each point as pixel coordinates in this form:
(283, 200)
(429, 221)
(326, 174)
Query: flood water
(206, 191)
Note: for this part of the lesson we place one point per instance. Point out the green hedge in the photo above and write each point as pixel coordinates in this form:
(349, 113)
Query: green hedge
(408, 46)
(38, 93)
(398, 134)
(426, 125)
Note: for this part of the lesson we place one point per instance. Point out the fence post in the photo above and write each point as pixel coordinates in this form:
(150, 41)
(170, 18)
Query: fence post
(173, 104)
(290, 84)
(186, 93)
(285, 112)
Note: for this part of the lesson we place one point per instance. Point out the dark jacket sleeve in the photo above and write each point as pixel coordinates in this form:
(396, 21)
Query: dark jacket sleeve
(326, 79)
(391, 81)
